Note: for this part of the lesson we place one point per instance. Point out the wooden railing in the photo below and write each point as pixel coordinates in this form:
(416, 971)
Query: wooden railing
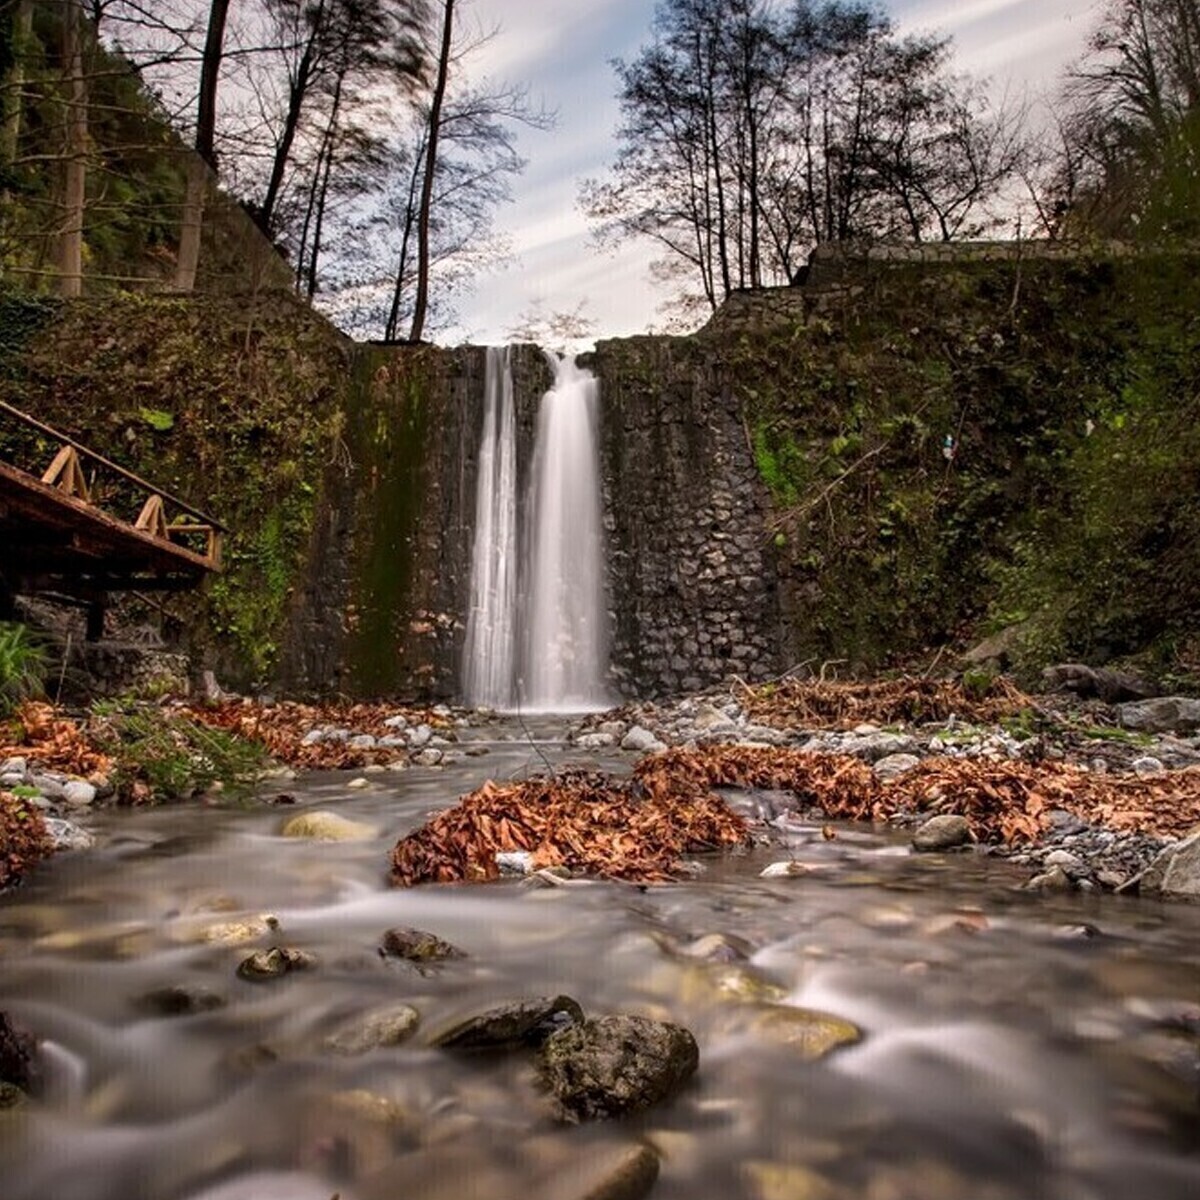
(189, 528)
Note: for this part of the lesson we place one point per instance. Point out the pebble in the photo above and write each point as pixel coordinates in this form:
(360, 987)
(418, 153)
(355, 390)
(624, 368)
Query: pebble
(431, 756)
(514, 862)
(360, 782)
(78, 794)
(944, 832)
(1148, 766)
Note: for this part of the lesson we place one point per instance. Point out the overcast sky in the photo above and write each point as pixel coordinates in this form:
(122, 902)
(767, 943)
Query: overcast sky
(563, 48)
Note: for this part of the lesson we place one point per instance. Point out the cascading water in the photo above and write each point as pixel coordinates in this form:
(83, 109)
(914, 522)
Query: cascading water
(564, 643)
(540, 642)
(490, 651)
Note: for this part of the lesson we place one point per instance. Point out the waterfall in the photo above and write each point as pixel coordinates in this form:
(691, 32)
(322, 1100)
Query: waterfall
(564, 643)
(490, 651)
(539, 642)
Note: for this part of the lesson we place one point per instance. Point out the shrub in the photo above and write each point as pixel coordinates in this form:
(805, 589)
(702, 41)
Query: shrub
(24, 662)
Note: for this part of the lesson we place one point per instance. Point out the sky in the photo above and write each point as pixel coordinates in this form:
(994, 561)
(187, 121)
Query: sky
(562, 49)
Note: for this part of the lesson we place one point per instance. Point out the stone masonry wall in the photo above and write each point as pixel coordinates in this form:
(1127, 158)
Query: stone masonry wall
(693, 591)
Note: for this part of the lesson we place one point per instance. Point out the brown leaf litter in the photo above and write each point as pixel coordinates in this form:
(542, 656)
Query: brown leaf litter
(908, 699)
(637, 829)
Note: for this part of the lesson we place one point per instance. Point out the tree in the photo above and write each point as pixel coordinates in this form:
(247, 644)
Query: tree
(1129, 162)
(205, 159)
(752, 131)
(70, 263)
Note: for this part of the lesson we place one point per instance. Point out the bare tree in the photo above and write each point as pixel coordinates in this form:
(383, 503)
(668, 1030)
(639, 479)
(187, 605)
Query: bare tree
(70, 254)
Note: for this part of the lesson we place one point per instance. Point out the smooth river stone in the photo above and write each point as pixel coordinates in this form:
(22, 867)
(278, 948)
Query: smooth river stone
(811, 1034)
(327, 827)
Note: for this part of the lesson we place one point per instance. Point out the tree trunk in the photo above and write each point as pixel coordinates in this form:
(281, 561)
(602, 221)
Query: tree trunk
(12, 99)
(325, 171)
(297, 94)
(421, 303)
(392, 326)
(70, 246)
(197, 175)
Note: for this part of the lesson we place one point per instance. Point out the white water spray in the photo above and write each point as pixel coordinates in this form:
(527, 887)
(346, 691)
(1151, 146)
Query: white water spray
(490, 651)
(565, 640)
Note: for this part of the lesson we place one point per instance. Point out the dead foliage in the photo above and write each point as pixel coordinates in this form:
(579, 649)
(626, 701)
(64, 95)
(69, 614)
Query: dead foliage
(586, 821)
(281, 728)
(1004, 801)
(41, 734)
(818, 704)
(24, 840)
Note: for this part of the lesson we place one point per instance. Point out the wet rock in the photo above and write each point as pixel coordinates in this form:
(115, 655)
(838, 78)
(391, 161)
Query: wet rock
(892, 766)
(718, 948)
(595, 741)
(78, 793)
(416, 945)
(180, 1000)
(11, 1097)
(1174, 874)
(508, 1026)
(67, 835)
(733, 982)
(514, 862)
(787, 869)
(641, 741)
(943, 832)
(605, 1173)
(323, 826)
(236, 933)
(1054, 880)
(429, 757)
(357, 1133)
(1064, 859)
(1166, 714)
(270, 964)
(787, 1181)
(807, 1032)
(609, 1066)
(360, 782)
(372, 1030)
(17, 1055)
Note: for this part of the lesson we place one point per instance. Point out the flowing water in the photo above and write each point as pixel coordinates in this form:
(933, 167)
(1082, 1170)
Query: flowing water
(565, 644)
(1005, 1055)
(489, 650)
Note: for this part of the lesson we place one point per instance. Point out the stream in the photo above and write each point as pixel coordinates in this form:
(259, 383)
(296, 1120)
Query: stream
(1013, 1045)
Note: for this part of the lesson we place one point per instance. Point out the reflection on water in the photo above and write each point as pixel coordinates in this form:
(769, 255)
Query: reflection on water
(1006, 1054)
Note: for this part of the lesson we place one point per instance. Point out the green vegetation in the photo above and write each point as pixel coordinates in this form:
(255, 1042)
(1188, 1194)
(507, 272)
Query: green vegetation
(956, 449)
(163, 756)
(234, 406)
(24, 663)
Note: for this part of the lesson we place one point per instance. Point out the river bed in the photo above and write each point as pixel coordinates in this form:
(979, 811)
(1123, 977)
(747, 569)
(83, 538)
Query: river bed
(1013, 1045)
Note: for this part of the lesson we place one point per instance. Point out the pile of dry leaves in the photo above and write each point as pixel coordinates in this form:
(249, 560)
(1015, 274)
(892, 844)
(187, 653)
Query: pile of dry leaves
(582, 820)
(24, 840)
(638, 828)
(817, 704)
(39, 732)
(281, 728)
(1004, 801)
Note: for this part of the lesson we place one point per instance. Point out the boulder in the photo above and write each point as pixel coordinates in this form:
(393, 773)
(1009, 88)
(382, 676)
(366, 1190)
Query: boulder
(609, 1066)
(641, 741)
(278, 961)
(67, 835)
(943, 832)
(805, 1031)
(872, 747)
(1053, 880)
(180, 1000)
(1095, 683)
(380, 1027)
(320, 826)
(78, 793)
(1165, 714)
(1174, 874)
(17, 1050)
(509, 1026)
(892, 766)
(416, 945)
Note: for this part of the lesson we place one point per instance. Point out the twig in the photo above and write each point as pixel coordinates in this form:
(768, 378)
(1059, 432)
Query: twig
(529, 736)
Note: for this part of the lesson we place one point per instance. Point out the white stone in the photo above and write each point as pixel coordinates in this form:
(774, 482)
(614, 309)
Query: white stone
(314, 737)
(641, 740)
(783, 870)
(1148, 765)
(595, 741)
(362, 741)
(429, 757)
(78, 793)
(68, 836)
(13, 766)
(399, 721)
(360, 782)
(894, 765)
(420, 736)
